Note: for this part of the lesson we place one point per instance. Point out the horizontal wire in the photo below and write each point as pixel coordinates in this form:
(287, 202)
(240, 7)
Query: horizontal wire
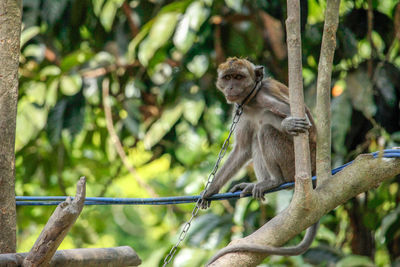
(55, 200)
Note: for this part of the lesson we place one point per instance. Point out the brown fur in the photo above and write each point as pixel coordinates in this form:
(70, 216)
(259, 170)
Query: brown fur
(265, 131)
(264, 135)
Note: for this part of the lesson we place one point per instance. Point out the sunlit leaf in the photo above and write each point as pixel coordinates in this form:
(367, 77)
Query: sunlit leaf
(34, 50)
(193, 109)
(159, 34)
(163, 125)
(193, 18)
(235, 4)
(75, 59)
(70, 85)
(51, 70)
(355, 261)
(199, 65)
(97, 6)
(28, 34)
(108, 12)
(30, 121)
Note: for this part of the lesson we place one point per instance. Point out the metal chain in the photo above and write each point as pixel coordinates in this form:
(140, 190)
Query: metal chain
(222, 152)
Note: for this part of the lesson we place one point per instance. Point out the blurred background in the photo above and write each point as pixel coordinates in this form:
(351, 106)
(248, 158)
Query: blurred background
(166, 122)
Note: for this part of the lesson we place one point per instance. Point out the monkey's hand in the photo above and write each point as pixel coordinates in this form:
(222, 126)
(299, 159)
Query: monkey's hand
(205, 204)
(294, 126)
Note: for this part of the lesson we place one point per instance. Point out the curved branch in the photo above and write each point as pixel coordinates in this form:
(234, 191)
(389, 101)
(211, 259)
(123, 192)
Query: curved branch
(363, 174)
(117, 142)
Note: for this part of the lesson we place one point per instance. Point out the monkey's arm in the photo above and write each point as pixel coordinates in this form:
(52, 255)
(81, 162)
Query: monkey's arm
(236, 159)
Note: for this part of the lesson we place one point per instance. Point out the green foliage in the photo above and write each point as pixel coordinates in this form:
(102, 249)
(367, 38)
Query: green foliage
(161, 59)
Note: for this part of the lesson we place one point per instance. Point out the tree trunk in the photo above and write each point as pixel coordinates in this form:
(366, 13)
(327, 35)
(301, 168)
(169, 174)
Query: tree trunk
(10, 32)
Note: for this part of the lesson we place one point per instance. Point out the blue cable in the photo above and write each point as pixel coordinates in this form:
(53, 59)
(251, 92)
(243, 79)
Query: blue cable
(55, 200)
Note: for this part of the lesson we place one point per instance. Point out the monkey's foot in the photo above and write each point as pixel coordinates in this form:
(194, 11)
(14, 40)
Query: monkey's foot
(261, 187)
(246, 188)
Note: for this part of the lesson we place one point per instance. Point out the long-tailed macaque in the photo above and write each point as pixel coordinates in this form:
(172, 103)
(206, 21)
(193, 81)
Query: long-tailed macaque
(264, 135)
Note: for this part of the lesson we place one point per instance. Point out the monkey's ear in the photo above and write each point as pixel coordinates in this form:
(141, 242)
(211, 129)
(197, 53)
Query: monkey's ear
(259, 72)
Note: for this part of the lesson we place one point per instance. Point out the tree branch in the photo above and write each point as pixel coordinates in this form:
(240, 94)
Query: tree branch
(56, 228)
(363, 174)
(323, 108)
(296, 96)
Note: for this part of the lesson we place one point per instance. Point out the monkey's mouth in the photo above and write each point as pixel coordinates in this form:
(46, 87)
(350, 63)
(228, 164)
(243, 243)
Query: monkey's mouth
(232, 97)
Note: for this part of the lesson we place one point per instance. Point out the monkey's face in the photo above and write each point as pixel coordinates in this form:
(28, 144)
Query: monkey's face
(235, 83)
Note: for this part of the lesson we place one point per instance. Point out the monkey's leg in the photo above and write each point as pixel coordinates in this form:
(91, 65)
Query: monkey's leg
(268, 171)
(236, 159)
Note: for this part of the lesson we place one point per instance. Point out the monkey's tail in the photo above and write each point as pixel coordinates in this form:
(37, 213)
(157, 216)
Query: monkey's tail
(284, 251)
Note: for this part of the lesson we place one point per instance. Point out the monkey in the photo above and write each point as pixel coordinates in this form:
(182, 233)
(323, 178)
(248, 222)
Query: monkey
(263, 135)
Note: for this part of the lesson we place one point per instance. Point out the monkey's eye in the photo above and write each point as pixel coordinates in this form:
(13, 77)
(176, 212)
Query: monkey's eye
(227, 77)
(238, 77)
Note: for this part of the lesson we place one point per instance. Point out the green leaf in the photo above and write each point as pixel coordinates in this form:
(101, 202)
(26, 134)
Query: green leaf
(35, 92)
(34, 50)
(235, 4)
(97, 6)
(108, 13)
(199, 65)
(159, 34)
(75, 59)
(138, 38)
(188, 26)
(51, 70)
(74, 114)
(31, 119)
(70, 85)
(193, 108)
(163, 125)
(341, 121)
(355, 261)
(191, 143)
(55, 121)
(28, 34)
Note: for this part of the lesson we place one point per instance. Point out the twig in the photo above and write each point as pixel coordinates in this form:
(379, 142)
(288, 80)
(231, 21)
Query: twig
(56, 228)
(101, 71)
(323, 109)
(117, 142)
(128, 13)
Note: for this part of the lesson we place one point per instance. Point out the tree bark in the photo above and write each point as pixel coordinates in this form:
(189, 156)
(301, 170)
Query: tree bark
(10, 32)
(56, 228)
(82, 257)
(296, 95)
(323, 108)
(363, 174)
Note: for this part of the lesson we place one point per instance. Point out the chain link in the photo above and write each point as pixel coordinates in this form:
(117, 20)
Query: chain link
(222, 152)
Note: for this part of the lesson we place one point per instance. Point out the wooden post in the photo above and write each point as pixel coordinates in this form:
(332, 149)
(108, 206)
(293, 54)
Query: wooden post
(56, 228)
